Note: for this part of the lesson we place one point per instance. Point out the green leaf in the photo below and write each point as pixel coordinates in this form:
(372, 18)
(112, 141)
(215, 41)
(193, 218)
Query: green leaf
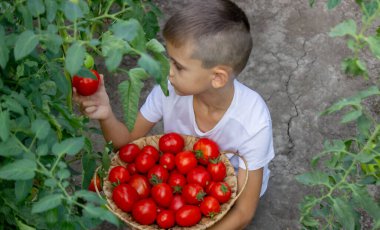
(22, 226)
(18, 170)
(138, 73)
(351, 116)
(313, 178)
(150, 65)
(26, 16)
(113, 59)
(364, 125)
(331, 4)
(352, 101)
(53, 43)
(74, 58)
(4, 124)
(51, 9)
(10, 147)
(46, 203)
(101, 213)
(90, 197)
(88, 167)
(155, 46)
(42, 149)
(14, 106)
(347, 27)
(355, 67)
(22, 189)
(150, 25)
(374, 45)
(130, 94)
(72, 11)
(113, 49)
(127, 30)
(36, 7)
(371, 91)
(4, 51)
(363, 199)
(345, 214)
(40, 128)
(69, 146)
(164, 64)
(26, 42)
(311, 3)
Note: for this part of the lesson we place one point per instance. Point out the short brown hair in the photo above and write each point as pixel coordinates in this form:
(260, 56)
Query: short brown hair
(219, 30)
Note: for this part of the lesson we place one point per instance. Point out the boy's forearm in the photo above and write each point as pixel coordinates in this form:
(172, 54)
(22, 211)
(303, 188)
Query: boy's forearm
(233, 220)
(115, 131)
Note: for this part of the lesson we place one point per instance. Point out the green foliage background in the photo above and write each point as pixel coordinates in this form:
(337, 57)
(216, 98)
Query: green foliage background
(345, 171)
(43, 44)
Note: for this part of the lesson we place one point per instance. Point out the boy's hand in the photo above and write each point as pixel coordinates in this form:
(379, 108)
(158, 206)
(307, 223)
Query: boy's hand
(95, 106)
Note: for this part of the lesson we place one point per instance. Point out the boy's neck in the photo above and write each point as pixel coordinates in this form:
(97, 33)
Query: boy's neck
(210, 107)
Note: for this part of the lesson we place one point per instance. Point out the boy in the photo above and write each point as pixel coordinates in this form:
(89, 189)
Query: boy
(208, 43)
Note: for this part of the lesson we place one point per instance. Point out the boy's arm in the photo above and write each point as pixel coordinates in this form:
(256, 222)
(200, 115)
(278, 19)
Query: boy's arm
(245, 206)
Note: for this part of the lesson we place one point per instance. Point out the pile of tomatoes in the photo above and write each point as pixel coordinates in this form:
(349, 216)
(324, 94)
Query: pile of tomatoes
(170, 186)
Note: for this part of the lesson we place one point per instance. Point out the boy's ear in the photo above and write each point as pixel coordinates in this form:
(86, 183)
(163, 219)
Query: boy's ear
(221, 75)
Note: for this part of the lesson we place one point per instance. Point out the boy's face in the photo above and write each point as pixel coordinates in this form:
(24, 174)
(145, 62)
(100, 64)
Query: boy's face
(187, 75)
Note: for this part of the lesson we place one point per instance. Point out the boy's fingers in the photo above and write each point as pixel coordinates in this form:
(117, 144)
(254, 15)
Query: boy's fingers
(90, 109)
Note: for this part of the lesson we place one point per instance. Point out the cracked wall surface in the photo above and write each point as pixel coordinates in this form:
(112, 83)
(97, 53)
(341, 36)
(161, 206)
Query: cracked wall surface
(295, 67)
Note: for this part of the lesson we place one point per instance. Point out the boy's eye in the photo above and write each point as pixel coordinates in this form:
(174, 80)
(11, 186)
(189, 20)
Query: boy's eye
(178, 67)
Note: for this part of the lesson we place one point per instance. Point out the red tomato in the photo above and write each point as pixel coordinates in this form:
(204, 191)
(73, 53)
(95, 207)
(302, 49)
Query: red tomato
(185, 161)
(199, 175)
(221, 191)
(167, 160)
(188, 215)
(158, 174)
(217, 170)
(124, 197)
(193, 193)
(166, 219)
(152, 151)
(144, 162)
(206, 149)
(132, 168)
(86, 86)
(144, 211)
(162, 194)
(176, 181)
(141, 184)
(171, 142)
(177, 202)
(119, 175)
(91, 187)
(208, 187)
(129, 152)
(210, 206)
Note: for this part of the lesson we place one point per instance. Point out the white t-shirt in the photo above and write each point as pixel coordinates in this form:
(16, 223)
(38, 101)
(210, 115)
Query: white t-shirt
(245, 128)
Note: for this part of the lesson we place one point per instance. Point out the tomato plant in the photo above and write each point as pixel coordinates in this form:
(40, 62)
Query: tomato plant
(44, 43)
(86, 86)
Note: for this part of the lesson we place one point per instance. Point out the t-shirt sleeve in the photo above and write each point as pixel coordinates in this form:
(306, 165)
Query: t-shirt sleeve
(258, 149)
(152, 109)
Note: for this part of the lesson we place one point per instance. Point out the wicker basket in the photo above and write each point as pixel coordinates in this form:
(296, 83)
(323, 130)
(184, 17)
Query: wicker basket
(205, 222)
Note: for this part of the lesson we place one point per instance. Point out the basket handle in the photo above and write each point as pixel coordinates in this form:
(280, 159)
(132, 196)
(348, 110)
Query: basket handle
(246, 173)
(96, 187)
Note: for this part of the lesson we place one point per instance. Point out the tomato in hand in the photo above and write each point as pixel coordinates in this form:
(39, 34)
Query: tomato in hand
(199, 175)
(193, 193)
(152, 151)
(129, 152)
(206, 149)
(171, 142)
(217, 170)
(221, 191)
(158, 174)
(119, 175)
(185, 161)
(162, 194)
(165, 219)
(177, 202)
(176, 181)
(144, 162)
(86, 86)
(91, 187)
(141, 184)
(210, 206)
(145, 211)
(167, 160)
(124, 197)
(188, 215)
